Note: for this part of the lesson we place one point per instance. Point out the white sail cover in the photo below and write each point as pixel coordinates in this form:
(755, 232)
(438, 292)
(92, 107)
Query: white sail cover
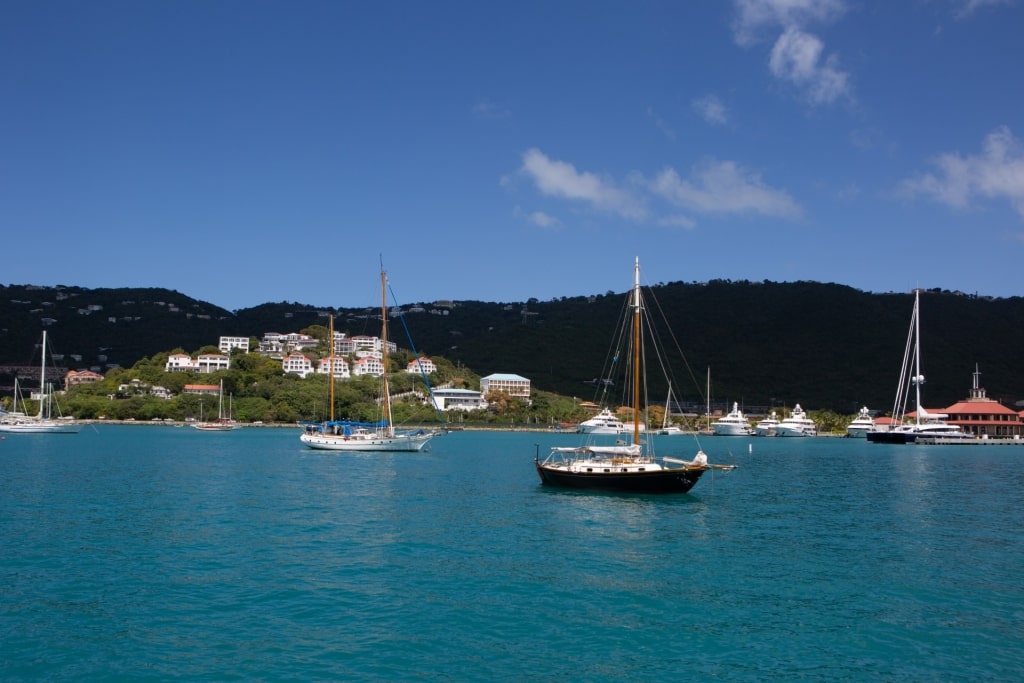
(631, 450)
(925, 414)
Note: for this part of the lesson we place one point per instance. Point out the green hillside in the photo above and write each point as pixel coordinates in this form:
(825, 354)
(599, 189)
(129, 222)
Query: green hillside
(823, 345)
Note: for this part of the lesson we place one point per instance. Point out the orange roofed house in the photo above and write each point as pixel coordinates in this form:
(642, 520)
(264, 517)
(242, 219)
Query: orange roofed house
(982, 416)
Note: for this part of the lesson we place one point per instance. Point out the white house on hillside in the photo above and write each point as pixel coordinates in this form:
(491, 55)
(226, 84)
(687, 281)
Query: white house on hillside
(275, 342)
(458, 399)
(212, 362)
(514, 385)
(361, 344)
(341, 369)
(180, 362)
(205, 363)
(421, 365)
(368, 366)
(228, 343)
(297, 364)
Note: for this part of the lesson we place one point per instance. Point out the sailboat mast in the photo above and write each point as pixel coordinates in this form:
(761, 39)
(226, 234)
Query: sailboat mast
(668, 405)
(330, 364)
(636, 352)
(918, 377)
(707, 413)
(384, 350)
(42, 379)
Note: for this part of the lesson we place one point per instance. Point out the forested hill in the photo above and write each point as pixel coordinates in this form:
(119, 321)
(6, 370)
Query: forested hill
(822, 345)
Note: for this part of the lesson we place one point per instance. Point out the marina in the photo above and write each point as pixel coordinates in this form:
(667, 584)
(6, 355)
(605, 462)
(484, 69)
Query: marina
(153, 552)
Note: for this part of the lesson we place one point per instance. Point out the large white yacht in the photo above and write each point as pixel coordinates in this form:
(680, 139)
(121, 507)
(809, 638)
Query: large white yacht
(606, 422)
(930, 428)
(733, 424)
(766, 427)
(797, 424)
(861, 425)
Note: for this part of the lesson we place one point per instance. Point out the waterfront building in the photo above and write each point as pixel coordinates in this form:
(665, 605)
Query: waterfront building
(982, 416)
(458, 399)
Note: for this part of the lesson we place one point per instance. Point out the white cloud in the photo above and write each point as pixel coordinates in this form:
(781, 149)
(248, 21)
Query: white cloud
(662, 125)
(849, 192)
(561, 179)
(486, 107)
(677, 222)
(996, 173)
(711, 109)
(543, 220)
(968, 7)
(797, 54)
(713, 187)
(796, 57)
(724, 187)
(756, 16)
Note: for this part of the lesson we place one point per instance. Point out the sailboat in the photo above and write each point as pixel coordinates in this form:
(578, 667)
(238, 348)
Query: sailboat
(625, 466)
(43, 422)
(707, 408)
(668, 429)
(348, 435)
(928, 427)
(224, 421)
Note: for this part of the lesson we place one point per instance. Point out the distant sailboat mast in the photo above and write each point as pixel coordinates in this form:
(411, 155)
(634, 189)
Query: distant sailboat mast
(384, 351)
(668, 405)
(918, 377)
(708, 413)
(330, 365)
(636, 353)
(42, 379)
(911, 371)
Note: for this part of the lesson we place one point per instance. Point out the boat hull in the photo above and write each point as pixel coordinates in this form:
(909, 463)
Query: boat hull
(730, 430)
(40, 427)
(673, 480)
(600, 431)
(791, 431)
(890, 437)
(945, 437)
(966, 440)
(330, 442)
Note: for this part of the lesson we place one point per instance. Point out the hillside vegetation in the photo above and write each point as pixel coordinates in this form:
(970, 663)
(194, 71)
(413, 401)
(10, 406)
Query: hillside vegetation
(825, 346)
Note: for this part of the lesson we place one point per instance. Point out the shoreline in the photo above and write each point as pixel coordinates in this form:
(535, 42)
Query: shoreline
(461, 428)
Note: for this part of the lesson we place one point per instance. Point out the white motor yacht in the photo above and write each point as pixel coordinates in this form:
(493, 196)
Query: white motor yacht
(861, 425)
(733, 424)
(605, 422)
(797, 424)
(766, 427)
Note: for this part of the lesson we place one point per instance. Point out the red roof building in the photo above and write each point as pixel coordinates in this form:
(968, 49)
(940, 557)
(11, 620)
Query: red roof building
(76, 377)
(981, 416)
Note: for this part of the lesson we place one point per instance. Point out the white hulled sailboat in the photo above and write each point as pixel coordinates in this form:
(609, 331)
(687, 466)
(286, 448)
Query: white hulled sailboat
(348, 435)
(43, 422)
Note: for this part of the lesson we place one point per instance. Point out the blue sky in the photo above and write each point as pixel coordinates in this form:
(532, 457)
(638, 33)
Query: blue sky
(250, 151)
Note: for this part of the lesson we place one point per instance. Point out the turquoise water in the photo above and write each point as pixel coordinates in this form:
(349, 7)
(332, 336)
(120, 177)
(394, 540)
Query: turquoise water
(156, 553)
